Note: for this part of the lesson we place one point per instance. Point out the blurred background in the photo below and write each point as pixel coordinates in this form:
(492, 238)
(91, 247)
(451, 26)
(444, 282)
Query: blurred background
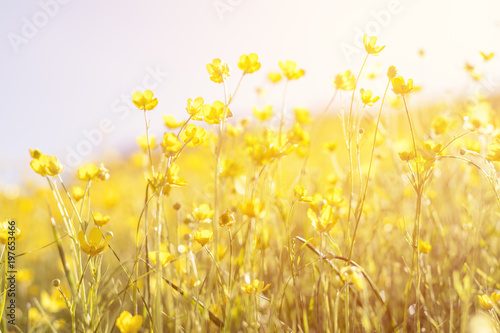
(69, 67)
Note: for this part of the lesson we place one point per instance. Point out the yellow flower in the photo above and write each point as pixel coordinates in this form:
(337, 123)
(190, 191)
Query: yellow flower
(274, 77)
(227, 219)
(88, 172)
(46, 165)
(495, 297)
(194, 108)
(127, 323)
(203, 237)
(400, 87)
(440, 125)
(170, 143)
(366, 97)
(370, 45)
(8, 230)
(95, 244)
(249, 63)
(100, 220)
(344, 81)
(252, 208)
(325, 220)
(230, 168)
(145, 100)
(142, 141)
(302, 116)
(300, 193)
(256, 287)
(494, 154)
(78, 193)
(165, 257)
(487, 57)
(193, 135)
(170, 122)
(218, 70)
(298, 136)
(203, 212)
(406, 156)
(424, 247)
(485, 302)
(265, 114)
(354, 276)
(392, 72)
(35, 153)
(431, 150)
(173, 178)
(329, 147)
(290, 70)
(468, 67)
(214, 113)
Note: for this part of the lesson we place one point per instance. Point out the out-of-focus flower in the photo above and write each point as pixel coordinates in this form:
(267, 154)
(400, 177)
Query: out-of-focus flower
(256, 287)
(300, 194)
(100, 220)
(265, 114)
(406, 156)
(127, 323)
(302, 115)
(325, 219)
(170, 122)
(392, 72)
(298, 136)
(274, 77)
(370, 45)
(424, 247)
(77, 193)
(249, 63)
(142, 141)
(8, 230)
(215, 112)
(344, 81)
(203, 212)
(487, 57)
(494, 152)
(367, 97)
(95, 243)
(145, 100)
(290, 70)
(218, 70)
(165, 257)
(440, 125)
(252, 207)
(88, 173)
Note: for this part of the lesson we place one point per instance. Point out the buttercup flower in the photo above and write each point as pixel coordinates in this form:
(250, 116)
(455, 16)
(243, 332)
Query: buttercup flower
(249, 63)
(227, 219)
(203, 237)
(344, 81)
(77, 193)
(95, 244)
(100, 220)
(194, 108)
(274, 77)
(302, 115)
(142, 141)
(218, 70)
(424, 247)
(165, 257)
(367, 97)
(265, 114)
(127, 323)
(252, 208)
(170, 143)
(45, 165)
(214, 113)
(370, 45)
(300, 194)
(170, 122)
(145, 100)
(392, 72)
(193, 135)
(256, 287)
(406, 156)
(203, 212)
(487, 57)
(88, 172)
(325, 220)
(400, 87)
(290, 70)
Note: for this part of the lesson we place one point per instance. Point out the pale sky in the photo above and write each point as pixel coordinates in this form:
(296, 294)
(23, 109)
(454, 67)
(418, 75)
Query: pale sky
(68, 65)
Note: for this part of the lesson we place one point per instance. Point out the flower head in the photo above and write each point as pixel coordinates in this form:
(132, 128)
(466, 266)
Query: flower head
(227, 219)
(88, 172)
(45, 165)
(424, 247)
(367, 97)
(370, 45)
(249, 63)
(487, 57)
(194, 108)
(203, 212)
(302, 115)
(142, 141)
(170, 143)
(265, 114)
(127, 323)
(325, 219)
(300, 194)
(165, 257)
(252, 207)
(290, 70)
(145, 100)
(95, 243)
(215, 112)
(392, 72)
(193, 135)
(203, 237)
(400, 87)
(344, 81)
(274, 77)
(256, 287)
(170, 122)
(100, 220)
(77, 193)
(218, 70)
